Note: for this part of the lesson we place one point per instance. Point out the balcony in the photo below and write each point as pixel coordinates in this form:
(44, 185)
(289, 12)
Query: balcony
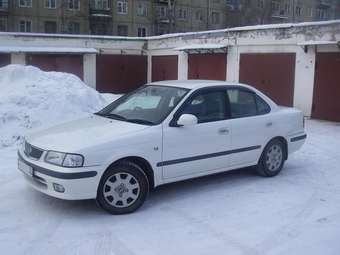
(100, 9)
(324, 4)
(164, 1)
(280, 14)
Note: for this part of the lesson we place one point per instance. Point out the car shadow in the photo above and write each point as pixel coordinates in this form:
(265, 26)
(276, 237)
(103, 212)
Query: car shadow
(164, 194)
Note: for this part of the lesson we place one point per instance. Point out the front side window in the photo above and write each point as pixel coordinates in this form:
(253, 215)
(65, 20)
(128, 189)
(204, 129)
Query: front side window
(122, 7)
(149, 105)
(246, 104)
(25, 26)
(25, 3)
(207, 106)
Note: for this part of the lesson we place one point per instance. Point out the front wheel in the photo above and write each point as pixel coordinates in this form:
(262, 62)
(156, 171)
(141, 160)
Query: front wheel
(272, 159)
(123, 188)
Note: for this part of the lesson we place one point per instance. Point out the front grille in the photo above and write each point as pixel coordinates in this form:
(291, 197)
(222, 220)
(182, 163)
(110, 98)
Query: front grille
(32, 152)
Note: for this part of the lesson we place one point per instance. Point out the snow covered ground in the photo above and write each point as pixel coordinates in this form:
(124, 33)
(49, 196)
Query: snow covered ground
(297, 212)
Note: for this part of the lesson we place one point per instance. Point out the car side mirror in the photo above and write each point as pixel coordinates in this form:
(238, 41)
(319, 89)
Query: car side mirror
(187, 120)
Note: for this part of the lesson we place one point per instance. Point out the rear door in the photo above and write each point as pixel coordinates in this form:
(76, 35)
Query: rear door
(195, 150)
(251, 126)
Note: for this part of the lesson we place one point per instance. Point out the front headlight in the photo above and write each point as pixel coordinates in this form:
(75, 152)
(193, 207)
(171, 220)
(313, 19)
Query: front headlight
(73, 160)
(64, 159)
(55, 158)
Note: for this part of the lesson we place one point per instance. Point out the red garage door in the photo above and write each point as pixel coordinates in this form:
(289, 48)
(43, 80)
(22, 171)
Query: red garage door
(271, 73)
(164, 68)
(60, 63)
(207, 66)
(120, 73)
(326, 100)
(5, 59)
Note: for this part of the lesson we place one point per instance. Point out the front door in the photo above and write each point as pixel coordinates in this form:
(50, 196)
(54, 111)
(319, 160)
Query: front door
(194, 150)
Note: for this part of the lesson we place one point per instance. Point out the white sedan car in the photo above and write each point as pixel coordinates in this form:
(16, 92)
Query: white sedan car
(161, 133)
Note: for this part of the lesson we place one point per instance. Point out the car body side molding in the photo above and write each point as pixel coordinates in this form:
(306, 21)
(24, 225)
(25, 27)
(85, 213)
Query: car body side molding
(298, 138)
(205, 156)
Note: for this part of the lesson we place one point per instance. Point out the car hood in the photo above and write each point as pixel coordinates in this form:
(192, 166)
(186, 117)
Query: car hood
(82, 133)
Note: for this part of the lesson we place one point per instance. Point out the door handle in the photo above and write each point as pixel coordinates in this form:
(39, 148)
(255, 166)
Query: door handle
(269, 124)
(223, 131)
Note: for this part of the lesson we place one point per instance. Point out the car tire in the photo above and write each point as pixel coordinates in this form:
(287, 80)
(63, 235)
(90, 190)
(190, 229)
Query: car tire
(123, 188)
(272, 159)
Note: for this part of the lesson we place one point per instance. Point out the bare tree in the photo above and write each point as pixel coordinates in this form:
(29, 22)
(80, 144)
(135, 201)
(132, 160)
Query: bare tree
(172, 15)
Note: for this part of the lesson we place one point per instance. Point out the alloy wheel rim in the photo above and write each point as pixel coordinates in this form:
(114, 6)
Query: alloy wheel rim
(121, 190)
(274, 157)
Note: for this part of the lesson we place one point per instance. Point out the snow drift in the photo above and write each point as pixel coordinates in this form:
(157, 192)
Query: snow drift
(31, 98)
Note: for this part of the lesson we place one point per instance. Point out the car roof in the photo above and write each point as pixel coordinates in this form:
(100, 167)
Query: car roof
(195, 84)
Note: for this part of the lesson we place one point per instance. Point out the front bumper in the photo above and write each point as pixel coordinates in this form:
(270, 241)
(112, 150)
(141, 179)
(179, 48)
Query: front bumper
(79, 183)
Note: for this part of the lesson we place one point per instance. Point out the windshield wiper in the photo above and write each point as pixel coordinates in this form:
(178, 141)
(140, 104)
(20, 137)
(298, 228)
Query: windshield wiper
(140, 121)
(111, 116)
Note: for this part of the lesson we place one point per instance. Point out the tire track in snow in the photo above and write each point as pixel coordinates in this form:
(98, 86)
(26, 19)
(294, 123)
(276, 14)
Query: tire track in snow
(109, 244)
(220, 235)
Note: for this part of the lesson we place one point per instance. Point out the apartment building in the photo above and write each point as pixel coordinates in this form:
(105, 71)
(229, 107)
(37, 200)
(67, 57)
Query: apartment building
(154, 17)
(252, 12)
(46, 16)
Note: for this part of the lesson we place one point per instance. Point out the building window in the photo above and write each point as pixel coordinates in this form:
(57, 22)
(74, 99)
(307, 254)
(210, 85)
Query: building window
(298, 11)
(50, 4)
(275, 6)
(122, 30)
(321, 14)
(215, 16)
(50, 27)
(141, 32)
(100, 5)
(142, 9)
(260, 3)
(73, 27)
(25, 3)
(162, 12)
(3, 4)
(25, 26)
(199, 15)
(182, 13)
(287, 9)
(73, 4)
(122, 7)
(3, 24)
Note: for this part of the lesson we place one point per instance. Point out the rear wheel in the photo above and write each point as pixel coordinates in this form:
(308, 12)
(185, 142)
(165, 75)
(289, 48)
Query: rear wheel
(272, 159)
(123, 188)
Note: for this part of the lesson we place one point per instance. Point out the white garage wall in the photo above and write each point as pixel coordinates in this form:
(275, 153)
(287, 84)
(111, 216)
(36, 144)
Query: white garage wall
(280, 38)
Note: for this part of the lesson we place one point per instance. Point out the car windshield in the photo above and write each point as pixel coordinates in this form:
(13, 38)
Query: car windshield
(149, 105)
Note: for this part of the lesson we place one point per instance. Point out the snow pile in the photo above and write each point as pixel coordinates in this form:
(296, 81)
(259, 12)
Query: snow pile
(31, 98)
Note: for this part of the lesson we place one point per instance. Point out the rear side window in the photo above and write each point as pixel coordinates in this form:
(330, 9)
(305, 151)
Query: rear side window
(262, 106)
(246, 104)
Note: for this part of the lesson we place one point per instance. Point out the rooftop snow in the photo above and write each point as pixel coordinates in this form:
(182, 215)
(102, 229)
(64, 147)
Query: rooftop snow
(235, 29)
(318, 43)
(202, 47)
(17, 49)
